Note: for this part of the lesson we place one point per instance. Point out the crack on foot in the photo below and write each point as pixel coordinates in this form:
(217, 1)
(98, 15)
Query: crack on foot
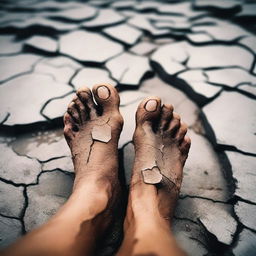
(90, 151)
(160, 149)
(100, 133)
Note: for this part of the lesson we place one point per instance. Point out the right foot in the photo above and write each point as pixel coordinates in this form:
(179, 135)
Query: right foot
(92, 132)
(161, 149)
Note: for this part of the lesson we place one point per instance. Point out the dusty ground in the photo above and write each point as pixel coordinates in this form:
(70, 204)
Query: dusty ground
(198, 56)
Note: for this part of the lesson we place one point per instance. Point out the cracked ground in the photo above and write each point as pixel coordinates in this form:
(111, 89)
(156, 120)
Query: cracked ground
(198, 56)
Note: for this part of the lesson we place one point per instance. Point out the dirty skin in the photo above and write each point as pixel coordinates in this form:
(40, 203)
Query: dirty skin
(161, 149)
(93, 125)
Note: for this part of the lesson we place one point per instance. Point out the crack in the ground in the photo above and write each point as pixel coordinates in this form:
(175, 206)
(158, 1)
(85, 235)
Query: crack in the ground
(22, 155)
(186, 219)
(10, 182)
(212, 138)
(241, 225)
(238, 198)
(219, 146)
(5, 118)
(213, 243)
(10, 217)
(49, 101)
(51, 159)
(253, 230)
(204, 198)
(32, 69)
(23, 212)
(26, 198)
(234, 149)
(73, 76)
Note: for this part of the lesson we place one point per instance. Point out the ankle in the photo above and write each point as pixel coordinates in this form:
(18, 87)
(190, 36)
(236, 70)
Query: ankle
(141, 226)
(92, 182)
(147, 219)
(93, 195)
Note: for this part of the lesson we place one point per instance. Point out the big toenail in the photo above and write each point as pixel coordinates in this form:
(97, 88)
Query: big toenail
(151, 105)
(103, 92)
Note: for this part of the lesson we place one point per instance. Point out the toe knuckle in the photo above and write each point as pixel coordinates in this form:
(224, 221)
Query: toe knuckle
(75, 98)
(79, 104)
(66, 116)
(66, 130)
(188, 140)
(177, 117)
(71, 105)
(82, 107)
(78, 92)
(184, 125)
(83, 92)
(184, 129)
(177, 123)
(70, 111)
(170, 107)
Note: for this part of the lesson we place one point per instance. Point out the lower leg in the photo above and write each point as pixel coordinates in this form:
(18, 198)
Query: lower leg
(72, 231)
(77, 226)
(161, 149)
(146, 231)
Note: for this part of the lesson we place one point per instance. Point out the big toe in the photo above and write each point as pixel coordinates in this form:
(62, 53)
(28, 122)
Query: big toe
(106, 97)
(148, 111)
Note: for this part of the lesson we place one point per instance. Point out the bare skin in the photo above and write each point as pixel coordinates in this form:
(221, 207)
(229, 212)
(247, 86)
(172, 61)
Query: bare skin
(159, 139)
(78, 225)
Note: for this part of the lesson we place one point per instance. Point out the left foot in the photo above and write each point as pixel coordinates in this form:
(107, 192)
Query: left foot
(161, 149)
(92, 132)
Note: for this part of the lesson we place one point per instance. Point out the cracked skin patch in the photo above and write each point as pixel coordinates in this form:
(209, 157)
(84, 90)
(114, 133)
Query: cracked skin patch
(96, 131)
(159, 167)
(101, 133)
(152, 176)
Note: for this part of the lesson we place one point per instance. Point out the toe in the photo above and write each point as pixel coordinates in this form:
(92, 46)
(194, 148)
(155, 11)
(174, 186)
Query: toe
(68, 120)
(85, 96)
(185, 145)
(174, 124)
(106, 97)
(70, 126)
(82, 111)
(73, 112)
(166, 116)
(148, 111)
(181, 132)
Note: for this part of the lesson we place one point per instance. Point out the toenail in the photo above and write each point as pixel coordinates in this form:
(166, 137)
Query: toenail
(151, 105)
(103, 92)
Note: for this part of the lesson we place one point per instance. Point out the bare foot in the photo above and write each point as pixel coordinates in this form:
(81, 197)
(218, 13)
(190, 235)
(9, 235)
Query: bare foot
(92, 132)
(161, 151)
